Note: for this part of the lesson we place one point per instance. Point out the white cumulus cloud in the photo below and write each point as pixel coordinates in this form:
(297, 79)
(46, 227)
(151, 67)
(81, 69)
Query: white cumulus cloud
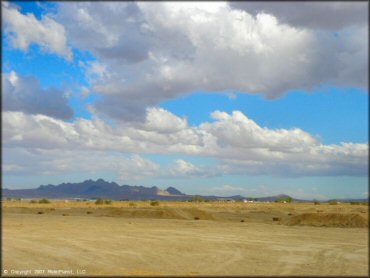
(24, 93)
(152, 52)
(25, 29)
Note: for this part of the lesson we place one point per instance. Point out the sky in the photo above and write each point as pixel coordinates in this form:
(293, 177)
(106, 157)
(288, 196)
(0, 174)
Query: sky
(212, 98)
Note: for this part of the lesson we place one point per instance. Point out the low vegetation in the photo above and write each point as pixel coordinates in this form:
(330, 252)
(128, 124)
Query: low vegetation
(44, 201)
(284, 200)
(102, 202)
(154, 203)
(333, 202)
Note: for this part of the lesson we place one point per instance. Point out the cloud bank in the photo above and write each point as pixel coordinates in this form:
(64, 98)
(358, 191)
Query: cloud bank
(235, 142)
(152, 52)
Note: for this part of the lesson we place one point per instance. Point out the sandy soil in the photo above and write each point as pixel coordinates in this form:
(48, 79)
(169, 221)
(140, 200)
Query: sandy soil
(139, 239)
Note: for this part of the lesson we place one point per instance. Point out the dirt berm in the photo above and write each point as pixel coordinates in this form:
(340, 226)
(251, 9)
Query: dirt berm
(351, 220)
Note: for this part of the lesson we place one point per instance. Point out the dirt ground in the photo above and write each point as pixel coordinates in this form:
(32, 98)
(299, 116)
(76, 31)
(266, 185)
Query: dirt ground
(182, 238)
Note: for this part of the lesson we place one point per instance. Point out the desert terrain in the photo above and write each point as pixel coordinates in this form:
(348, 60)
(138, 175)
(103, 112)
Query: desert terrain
(183, 238)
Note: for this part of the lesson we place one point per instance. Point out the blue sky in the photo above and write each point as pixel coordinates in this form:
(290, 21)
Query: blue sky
(144, 112)
(334, 114)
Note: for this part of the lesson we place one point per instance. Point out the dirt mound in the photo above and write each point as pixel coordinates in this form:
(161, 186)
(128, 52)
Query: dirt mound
(156, 213)
(351, 220)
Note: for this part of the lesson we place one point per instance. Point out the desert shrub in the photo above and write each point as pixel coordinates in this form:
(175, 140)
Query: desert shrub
(275, 219)
(89, 212)
(33, 201)
(99, 202)
(316, 203)
(102, 202)
(44, 201)
(333, 202)
(354, 203)
(132, 204)
(196, 218)
(40, 212)
(154, 203)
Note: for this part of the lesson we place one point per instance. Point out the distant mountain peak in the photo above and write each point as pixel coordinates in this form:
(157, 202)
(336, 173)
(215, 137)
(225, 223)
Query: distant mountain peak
(87, 181)
(174, 191)
(283, 196)
(46, 186)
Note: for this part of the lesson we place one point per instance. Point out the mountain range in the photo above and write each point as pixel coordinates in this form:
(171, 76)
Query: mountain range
(90, 189)
(100, 188)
